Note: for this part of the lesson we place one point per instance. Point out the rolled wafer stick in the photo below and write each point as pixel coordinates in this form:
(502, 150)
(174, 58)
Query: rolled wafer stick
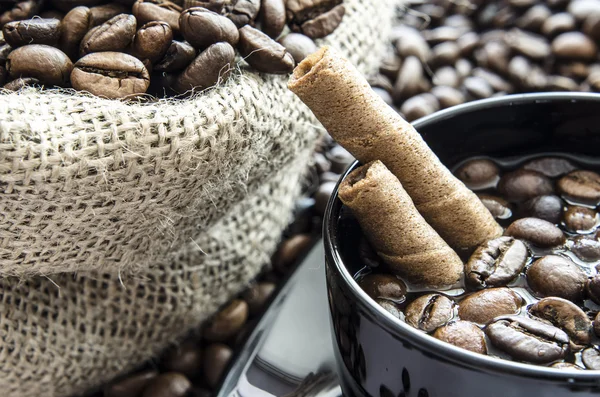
(357, 118)
(396, 229)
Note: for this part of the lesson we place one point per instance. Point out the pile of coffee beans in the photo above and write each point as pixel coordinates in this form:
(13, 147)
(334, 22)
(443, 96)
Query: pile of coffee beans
(531, 295)
(444, 53)
(160, 47)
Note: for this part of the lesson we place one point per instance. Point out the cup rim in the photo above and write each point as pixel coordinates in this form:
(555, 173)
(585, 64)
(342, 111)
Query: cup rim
(426, 342)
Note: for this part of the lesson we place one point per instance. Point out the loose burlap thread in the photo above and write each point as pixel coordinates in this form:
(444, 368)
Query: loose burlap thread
(129, 224)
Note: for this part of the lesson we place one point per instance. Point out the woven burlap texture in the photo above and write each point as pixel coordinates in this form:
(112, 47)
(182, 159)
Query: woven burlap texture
(130, 224)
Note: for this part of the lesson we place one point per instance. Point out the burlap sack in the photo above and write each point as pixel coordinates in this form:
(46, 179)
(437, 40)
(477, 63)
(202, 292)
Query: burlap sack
(129, 224)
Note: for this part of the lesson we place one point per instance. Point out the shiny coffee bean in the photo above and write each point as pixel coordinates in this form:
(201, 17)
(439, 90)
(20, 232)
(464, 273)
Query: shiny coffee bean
(78, 22)
(528, 44)
(547, 207)
(467, 43)
(534, 18)
(384, 286)
(586, 249)
(519, 69)
(442, 34)
(202, 28)
(322, 196)
(340, 159)
(5, 49)
(323, 24)
(552, 167)
(574, 45)
(446, 76)
(493, 55)
(558, 23)
(298, 45)
(20, 83)
(20, 10)
(152, 41)
(47, 64)
(597, 325)
(391, 308)
(574, 70)
(110, 74)
(483, 306)
(411, 43)
(477, 87)
(169, 384)
(216, 359)
(290, 250)
(495, 81)
(498, 207)
(522, 185)
(446, 53)
(555, 275)
(154, 10)
(185, 359)
(591, 358)
(429, 312)
(448, 96)
(536, 231)
(178, 56)
(409, 80)
(132, 385)
(32, 31)
(227, 322)
(104, 12)
(495, 263)
(211, 66)
(527, 339)
(463, 334)
(463, 68)
(479, 174)
(580, 186)
(582, 8)
(565, 315)
(591, 26)
(113, 35)
(385, 95)
(257, 295)
(593, 289)
(564, 365)
(242, 12)
(263, 53)
(418, 106)
(580, 219)
(272, 17)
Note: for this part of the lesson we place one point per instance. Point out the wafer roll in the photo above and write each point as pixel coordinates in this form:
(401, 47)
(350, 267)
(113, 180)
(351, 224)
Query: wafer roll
(358, 119)
(396, 229)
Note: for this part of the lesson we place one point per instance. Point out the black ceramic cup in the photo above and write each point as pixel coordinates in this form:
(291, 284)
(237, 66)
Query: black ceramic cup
(381, 356)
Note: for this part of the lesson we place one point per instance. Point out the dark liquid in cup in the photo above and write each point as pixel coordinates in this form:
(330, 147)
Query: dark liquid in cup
(544, 312)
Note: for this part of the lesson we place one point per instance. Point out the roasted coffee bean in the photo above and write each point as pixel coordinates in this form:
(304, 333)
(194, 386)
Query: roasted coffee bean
(498, 207)
(591, 358)
(448, 96)
(169, 384)
(152, 41)
(157, 10)
(552, 167)
(322, 163)
(467, 43)
(580, 219)
(528, 44)
(110, 74)
(227, 322)
(534, 18)
(216, 359)
(76, 24)
(495, 263)
(67, 5)
(322, 196)
(529, 340)
(522, 185)
(591, 26)
(442, 34)
(567, 316)
(597, 325)
(519, 69)
(411, 43)
(555, 275)
(558, 23)
(179, 55)
(391, 308)
(409, 80)
(113, 35)
(19, 11)
(483, 306)
(263, 53)
(104, 12)
(202, 28)
(574, 45)
(257, 295)
(495, 81)
(132, 385)
(185, 358)
(446, 53)
(429, 312)
(272, 17)
(586, 249)
(547, 207)
(538, 232)
(582, 8)
(479, 174)
(217, 6)
(390, 65)
(419, 106)
(211, 67)
(384, 286)
(493, 55)
(581, 186)
(340, 158)
(32, 31)
(47, 64)
(477, 87)
(576, 70)
(593, 289)
(564, 365)
(20, 83)
(329, 177)
(463, 334)
(463, 68)
(290, 250)
(446, 76)
(323, 24)
(242, 12)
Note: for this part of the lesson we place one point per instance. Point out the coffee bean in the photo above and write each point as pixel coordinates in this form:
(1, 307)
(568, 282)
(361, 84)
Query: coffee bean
(580, 9)
(534, 18)
(289, 251)
(495, 81)
(522, 185)
(555, 275)
(20, 83)
(419, 106)
(263, 53)
(586, 249)
(580, 219)
(458, 21)
(322, 163)
(522, 3)
(495, 263)
(52, 14)
(463, 334)
(593, 289)
(477, 87)
(494, 55)
(242, 12)
(19, 11)
(580, 186)
(498, 207)
(104, 12)
(75, 25)
(322, 196)
(323, 24)
(340, 159)
(202, 28)
(132, 385)
(528, 44)
(216, 359)
(185, 358)
(391, 308)
(227, 322)
(178, 56)
(591, 26)
(32, 31)
(574, 70)
(3, 74)
(47, 64)
(483, 306)
(564, 365)
(409, 80)
(147, 11)
(390, 65)
(211, 67)
(463, 68)
(527, 339)
(442, 34)
(519, 69)
(384, 286)
(597, 325)
(67, 5)
(257, 295)
(538, 232)
(152, 41)
(591, 358)
(385, 95)
(169, 384)
(566, 316)
(446, 53)
(546, 207)
(298, 45)
(552, 167)
(272, 17)
(110, 74)
(113, 35)
(411, 43)
(217, 6)
(574, 45)
(448, 96)
(479, 174)
(558, 23)
(429, 312)
(467, 43)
